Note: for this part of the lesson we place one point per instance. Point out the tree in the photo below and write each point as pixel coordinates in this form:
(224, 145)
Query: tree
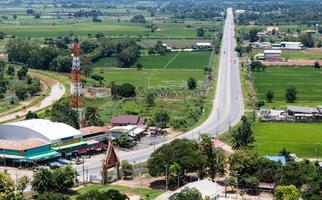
(125, 141)
(253, 35)
(97, 77)
(127, 169)
(22, 73)
(257, 65)
(21, 93)
(159, 48)
(2, 66)
(138, 19)
(187, 194)
(52, 196)
(161, 118)
(31, 115)
(2, 35)
(149, 99)
(64, 178)
(11, 70)
(287, 193)
(126, 90)
(128, 56)
(244, 135)
(139, 66)
(7, 186)
(62, 112)
(189, 160)
(291, 94)
(317, 65)
(22, 184)
(92, 117)
(102, 195)
(88, 46)
(42, 181)
(192, 83)
(215, 157)
(269, 96)
(62, 64)
(307, 40)
(58, 180)
(286, 154)
(200, 32)
(14, 17)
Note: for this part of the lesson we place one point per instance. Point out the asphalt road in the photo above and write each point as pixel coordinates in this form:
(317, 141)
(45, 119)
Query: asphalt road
(57, 92)
(227, 107)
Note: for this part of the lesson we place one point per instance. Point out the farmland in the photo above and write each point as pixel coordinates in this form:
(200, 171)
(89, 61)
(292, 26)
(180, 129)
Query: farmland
(307, 81)
(151, 78)
(173, 60)
(83, 28)
(299, 138)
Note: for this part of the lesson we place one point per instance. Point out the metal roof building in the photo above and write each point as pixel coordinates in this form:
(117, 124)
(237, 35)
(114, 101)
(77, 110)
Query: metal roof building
(38, 128)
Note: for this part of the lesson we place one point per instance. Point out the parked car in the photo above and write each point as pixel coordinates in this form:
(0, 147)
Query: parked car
(79, 161)
(64, 161)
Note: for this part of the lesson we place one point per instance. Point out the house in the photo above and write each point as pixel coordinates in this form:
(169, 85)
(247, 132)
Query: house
(272, 30)
(261, 45)
(272, 55)
(291, 45)
(288, 45)
(303, 113)
(95, 132)
(203, 46)
(262, 34)
(124, 120)
(206, 187)
(240, 12)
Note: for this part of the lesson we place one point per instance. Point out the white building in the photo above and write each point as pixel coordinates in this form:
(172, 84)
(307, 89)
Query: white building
(289, 45)
(240, 12)
(206, 187)
(203, 45)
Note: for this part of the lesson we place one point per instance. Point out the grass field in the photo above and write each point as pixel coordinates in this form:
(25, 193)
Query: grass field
(299, 138)
(172, 60)
(151, 78)
(307, 80)
(143, 192)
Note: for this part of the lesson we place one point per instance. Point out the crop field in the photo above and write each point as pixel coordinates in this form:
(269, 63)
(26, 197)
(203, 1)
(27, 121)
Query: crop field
(173, 60)
(298, 138)
(306, 80)
(147, 78)
(110, 29)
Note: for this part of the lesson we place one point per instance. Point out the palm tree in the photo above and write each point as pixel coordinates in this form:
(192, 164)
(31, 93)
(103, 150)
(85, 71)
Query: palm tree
(92, 117)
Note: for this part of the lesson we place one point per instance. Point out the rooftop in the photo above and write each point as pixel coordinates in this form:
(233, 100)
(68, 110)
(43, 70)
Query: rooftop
(37, 128)
(302, 109)
(21, 145)
(94, 129)
(272, 51)
(205, 187)
(128, 119)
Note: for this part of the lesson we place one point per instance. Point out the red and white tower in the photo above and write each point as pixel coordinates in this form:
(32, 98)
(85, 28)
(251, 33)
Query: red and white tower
(76, 88)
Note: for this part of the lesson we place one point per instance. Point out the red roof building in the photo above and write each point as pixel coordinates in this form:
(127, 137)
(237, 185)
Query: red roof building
(124, 120)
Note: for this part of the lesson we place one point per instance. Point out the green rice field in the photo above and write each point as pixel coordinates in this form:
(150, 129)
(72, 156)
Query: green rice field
(298, 138)
(307, 81)
(173, 60)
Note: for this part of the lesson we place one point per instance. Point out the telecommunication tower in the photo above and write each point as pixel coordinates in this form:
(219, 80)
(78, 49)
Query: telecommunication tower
(76, 88)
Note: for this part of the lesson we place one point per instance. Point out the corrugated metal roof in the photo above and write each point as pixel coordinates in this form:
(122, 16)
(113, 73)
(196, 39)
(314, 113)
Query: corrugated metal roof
(21, 145)
(38, 128)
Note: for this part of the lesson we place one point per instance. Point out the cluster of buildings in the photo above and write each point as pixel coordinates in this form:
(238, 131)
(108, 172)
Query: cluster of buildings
(42, 141)
(199, 46)
(292, 113)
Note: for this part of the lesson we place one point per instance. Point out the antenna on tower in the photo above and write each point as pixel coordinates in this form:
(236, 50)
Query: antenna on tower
(76, 88)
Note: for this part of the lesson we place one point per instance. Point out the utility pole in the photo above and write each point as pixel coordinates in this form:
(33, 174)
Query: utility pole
(83, 170)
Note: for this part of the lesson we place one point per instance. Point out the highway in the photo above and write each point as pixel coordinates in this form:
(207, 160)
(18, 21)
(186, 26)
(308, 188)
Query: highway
(227, 107)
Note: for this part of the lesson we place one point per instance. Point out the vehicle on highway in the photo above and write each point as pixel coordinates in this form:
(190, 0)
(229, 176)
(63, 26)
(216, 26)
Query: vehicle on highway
(64, 161)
